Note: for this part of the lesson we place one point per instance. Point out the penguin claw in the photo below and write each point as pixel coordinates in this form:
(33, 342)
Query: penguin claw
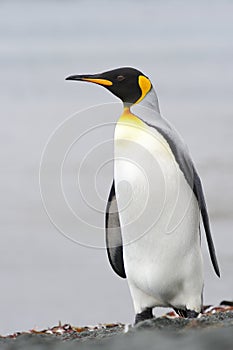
(186, 313)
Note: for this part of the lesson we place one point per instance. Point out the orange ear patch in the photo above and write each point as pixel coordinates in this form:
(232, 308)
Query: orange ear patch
(145, 86)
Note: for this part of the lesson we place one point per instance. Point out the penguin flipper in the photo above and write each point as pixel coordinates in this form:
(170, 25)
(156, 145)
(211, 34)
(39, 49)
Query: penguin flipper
(186, 165)
(198, 191)
(113, 235)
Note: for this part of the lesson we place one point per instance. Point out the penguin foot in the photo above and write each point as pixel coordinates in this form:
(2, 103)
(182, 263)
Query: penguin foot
(226, 303)
(186, 313)
(144, 315)
(191, 314)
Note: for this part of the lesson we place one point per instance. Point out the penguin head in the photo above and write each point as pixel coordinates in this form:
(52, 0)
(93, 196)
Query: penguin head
(128, 84)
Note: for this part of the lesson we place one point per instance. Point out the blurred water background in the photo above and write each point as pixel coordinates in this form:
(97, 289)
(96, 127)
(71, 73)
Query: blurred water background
(186, 48)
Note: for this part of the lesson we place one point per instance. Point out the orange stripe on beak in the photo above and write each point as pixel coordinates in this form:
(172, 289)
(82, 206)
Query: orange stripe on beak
(98, 81)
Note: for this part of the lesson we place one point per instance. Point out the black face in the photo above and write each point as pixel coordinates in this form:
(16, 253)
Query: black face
(122, 82)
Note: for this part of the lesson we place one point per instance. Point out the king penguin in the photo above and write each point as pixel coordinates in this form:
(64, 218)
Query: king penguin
(155, 203)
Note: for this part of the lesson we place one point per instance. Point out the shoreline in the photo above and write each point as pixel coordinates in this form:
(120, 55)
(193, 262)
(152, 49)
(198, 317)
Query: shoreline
(212, 330)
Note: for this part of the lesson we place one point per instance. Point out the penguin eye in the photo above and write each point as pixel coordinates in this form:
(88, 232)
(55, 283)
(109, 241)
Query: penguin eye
(120, 77)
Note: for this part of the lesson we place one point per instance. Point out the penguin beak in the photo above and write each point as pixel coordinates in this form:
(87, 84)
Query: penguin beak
(96, 79)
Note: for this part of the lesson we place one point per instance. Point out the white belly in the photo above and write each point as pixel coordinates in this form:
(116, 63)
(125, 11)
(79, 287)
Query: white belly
(159, 218)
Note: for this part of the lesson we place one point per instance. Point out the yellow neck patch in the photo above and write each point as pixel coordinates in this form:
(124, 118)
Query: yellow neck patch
(145, 86)
(129, 118)
(129, 126)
